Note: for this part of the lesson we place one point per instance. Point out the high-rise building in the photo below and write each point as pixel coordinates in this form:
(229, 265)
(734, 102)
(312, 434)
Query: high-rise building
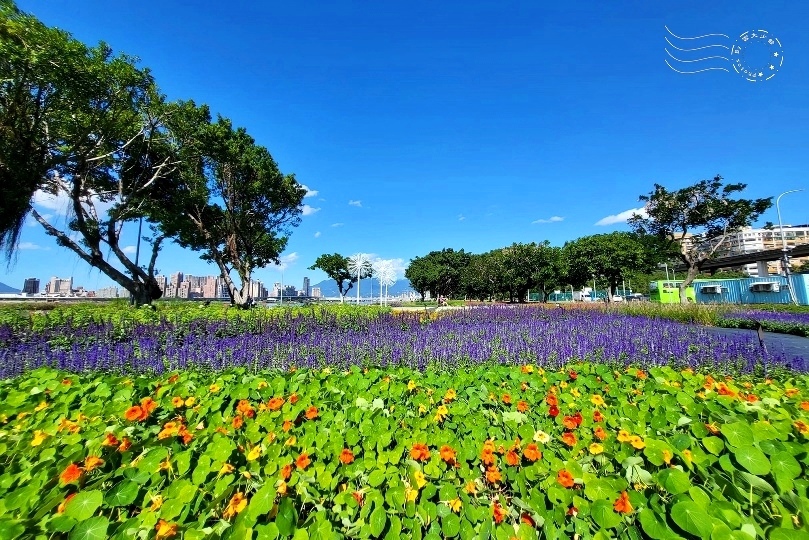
(749, 240)
(316, 292)
(307, 289)
(209, 288)
(31, 286)
(59, 285)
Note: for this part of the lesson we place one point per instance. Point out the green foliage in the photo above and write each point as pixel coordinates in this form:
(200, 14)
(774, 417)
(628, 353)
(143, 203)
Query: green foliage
(695, 221)
(397, 453)
(439, 272)
(336, 267)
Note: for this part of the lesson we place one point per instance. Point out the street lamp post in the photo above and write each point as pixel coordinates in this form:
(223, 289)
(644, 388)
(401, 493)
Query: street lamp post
(785, 254)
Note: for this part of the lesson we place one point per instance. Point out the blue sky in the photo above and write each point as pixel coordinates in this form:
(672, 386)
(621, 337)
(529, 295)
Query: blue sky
(424, 125)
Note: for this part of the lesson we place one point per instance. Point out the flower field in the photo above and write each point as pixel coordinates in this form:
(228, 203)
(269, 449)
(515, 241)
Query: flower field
(487, 423)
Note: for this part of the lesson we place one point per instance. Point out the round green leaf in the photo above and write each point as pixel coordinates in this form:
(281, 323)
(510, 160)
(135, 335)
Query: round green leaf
(737, 433)
(604, 514)
(714, 445)
(752, 459)
(692, 518)
(378, 519)
(84, 505)
(451, 525)
(122, 494)
(788, 534)
(674, 480)
(655, 526)
(90, 529)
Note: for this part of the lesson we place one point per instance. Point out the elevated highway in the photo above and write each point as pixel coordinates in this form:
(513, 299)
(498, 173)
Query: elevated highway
(734, 261)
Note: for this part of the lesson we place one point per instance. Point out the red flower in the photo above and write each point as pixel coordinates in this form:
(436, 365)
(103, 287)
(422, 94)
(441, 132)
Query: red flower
(597, 416)
(498, 513)
(573, 375)
(553, 411)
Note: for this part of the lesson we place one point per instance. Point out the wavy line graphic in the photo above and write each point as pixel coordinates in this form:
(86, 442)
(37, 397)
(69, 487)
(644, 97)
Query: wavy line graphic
(697, 71)
(696, 48)
(697, 60)
(697, 37)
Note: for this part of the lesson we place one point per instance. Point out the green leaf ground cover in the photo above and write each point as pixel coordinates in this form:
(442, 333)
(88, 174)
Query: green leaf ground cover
(492, 451)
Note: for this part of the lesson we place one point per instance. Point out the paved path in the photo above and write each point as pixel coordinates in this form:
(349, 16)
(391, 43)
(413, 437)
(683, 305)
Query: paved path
(794, 346)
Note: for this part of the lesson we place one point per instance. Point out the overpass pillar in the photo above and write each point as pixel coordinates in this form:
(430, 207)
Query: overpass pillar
(761, 268)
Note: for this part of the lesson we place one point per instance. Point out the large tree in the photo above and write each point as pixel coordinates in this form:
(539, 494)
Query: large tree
(609, 256)
(697, 220)
(439, 272)
(336, 267)
(232, 203)
(76, 122)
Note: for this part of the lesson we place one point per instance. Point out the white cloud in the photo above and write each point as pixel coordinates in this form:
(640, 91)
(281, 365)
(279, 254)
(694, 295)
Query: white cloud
(309, 210)
(29, 246)
(31, 222)
(552, 219)
(309, 192)
(59, 203)
(286, 261)
(129, 249)
(461, 217)
(621, 217)
(317, 234)
(399, 265)
(337, 224)
(352, 202)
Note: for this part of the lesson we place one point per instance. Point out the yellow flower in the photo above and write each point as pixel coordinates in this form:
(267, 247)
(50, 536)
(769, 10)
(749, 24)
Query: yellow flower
(471, 488)
(450, 395)
(597, 400)
(422, 409)
(563, 384)
(282, 488)
(39, 437)
(254, 453)
(624, 436)
(227, 468)
(575, 392)
(667, 456)
(411, 494)
(157, 502)
(421, 481)
(411, 385)
(262, 384)
(292, 440)
(596, 449)
(42, 405)
(190, 401)
(687, 455)
(214, 388)
(237, 504)
(637, 442)
(165, 465)
(454, 505)
(327, 370)
(441, 413)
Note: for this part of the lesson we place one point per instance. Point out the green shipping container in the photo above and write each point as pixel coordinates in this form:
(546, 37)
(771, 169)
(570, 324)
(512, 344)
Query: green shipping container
(667, 292)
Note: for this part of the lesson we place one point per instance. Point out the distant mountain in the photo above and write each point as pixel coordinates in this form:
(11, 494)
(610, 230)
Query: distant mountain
(329, 288)
(5, 289)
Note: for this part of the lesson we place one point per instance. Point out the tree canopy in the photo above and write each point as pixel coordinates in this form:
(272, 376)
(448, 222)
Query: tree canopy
(697, 219)
(336, 267)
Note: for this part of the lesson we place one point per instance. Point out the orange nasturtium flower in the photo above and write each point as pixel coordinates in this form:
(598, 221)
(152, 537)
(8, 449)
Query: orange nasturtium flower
(712, 428)
(498, 513)
(110, 440)
(148, 405)
(565, 479)
(622, 504)
(493, 475)
(447, 454)
(552, 400)
(135, 413)
(303, 461)
(287, 425)
(801, 426)
(275, 403)
(522, 406)
(512, 458)
(245, 408)
(532, 452)
(177, 402)
(125, 445)
(311, 413)
(805, 405)
(237, 503)
(165, 529)
(293, 398)
(346, 456)
(506, 399)
(791, 392)
(92, 462)
(420, 452)
(598, 417)
(487, 454)
(61, 508)
(286, 471)
(569, 438)
(600, 433)
(71, 473)
(237, 421)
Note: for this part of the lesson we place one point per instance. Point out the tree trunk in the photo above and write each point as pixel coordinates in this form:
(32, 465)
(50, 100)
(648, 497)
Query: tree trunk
(693, 270)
